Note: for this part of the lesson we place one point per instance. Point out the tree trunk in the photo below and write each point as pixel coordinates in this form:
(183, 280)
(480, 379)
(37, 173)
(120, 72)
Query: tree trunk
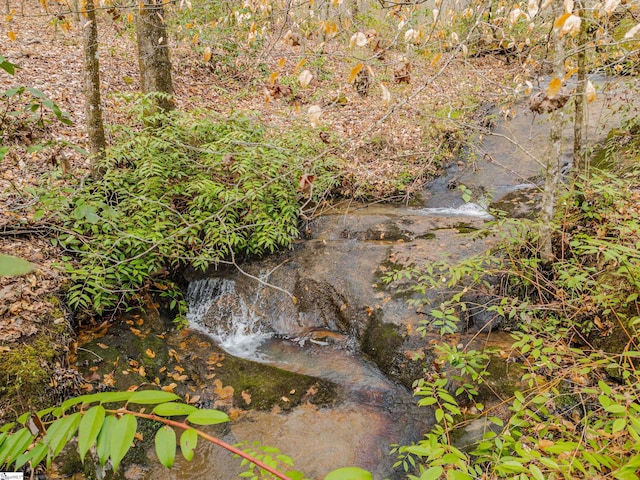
(552, 170)
(153, 52)
(580, 98)
(93, 107)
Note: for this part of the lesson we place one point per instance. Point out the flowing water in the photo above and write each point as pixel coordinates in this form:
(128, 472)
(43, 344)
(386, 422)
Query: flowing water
(334, 277)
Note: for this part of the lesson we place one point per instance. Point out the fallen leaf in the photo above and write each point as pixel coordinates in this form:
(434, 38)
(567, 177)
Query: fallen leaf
(103, 346)
(150, 353)
(246, 397)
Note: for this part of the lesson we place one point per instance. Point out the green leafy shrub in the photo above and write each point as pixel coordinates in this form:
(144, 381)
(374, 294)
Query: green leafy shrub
(577, 412)
(181, 189)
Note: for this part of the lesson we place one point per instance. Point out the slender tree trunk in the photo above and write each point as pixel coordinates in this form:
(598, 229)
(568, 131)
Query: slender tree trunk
(552, 171)
(153, 52)
(580, 98)
(93, 107)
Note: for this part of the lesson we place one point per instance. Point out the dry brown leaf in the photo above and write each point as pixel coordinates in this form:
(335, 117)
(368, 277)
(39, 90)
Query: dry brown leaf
(150, 353)
(246, 396)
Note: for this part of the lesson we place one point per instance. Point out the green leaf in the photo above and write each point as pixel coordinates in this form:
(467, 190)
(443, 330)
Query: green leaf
(35, 456)
(147, 397)
(89, 428)
(536, 472)
(36, 93)
(103, 446)
(173, 408)
(61, 432)
(432, 474)
(207, 417)
(618, 425)
(165, 442)
(188, 442)
(123, 432)
(14, 446)
(14, 266)
(7, 66)
(112, 397)
(349, 473)
(458, 475)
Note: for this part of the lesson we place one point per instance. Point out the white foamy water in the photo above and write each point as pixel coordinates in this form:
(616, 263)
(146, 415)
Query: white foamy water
(466, 210)
(230, 321)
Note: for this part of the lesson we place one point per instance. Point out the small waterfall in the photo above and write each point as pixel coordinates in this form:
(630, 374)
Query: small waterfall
(464, 210)
(216, 309)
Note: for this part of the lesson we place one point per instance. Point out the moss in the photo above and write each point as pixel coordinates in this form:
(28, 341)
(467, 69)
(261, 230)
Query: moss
(26, 368)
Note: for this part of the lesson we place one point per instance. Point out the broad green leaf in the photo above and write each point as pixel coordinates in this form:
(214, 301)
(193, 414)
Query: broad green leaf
(113, 397)
(3, 151)
(618, 425)
(36, 93)
(35, 456)
(349, 473)
(536, 472)
(60, 433)
(14, 266)
(15, 445)
(165, 442)
(103, 446)
(173, 408)
(146, 397)
(188, 442)
(123, 432)
(295, 475)
(7, 66)
(432, 473)
(89, 428)
(207, 417)
(458, 475)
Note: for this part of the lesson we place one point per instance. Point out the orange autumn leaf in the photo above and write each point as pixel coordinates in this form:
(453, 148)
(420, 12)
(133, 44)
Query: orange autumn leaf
(436, 59)
(11, 35)
(559, 23)
(354, 72)
(169, 388)
(282, 62)
(206, 55)
(554, 87)
(299, 65)
(246, 396)
(150, 353)
(272, 78)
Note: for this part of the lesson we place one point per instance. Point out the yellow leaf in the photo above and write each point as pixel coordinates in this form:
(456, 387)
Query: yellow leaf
(150, 353)
(559, 23)
(65, 27)
(169, 388)
(282, 62)
(272, 78)
(568, 75)
(11, 35)
(554, 87)
(253, 27)
(194, 40)
(130, 17)
(346, 21)
(206, 56)
(436, 59)
(590, 92)
(8, 18)
(299, 65)
(544, 443)
(354, 72)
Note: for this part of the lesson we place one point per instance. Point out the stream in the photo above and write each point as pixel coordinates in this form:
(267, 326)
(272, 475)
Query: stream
(344, 328)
